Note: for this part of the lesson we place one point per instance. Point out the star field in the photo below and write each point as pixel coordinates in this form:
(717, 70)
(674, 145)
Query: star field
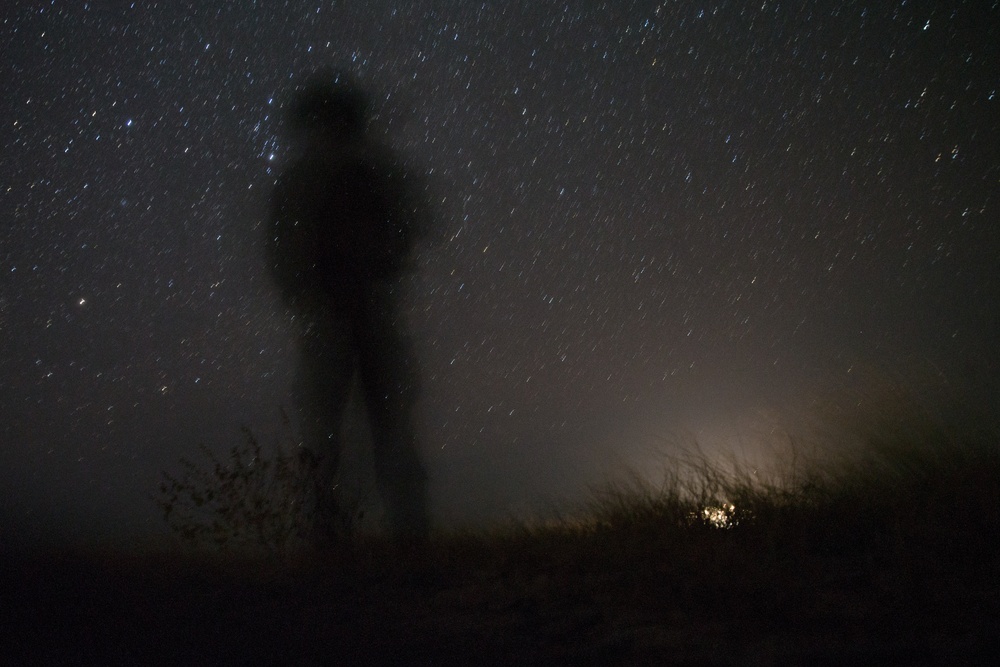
(648, 216)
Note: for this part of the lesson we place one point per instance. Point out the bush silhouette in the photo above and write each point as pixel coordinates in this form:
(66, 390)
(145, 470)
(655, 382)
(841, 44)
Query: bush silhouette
(250, 501)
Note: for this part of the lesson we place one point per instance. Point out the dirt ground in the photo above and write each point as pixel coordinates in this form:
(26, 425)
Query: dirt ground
(74, 610)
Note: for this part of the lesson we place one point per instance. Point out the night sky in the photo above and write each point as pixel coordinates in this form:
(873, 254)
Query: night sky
(650, 218)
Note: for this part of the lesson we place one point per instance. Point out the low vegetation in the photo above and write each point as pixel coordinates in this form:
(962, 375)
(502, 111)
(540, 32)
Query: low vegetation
(883, 549)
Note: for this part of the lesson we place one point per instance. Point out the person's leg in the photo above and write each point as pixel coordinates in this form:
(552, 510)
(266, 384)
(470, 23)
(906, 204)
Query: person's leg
(326, 369)
(388, 375)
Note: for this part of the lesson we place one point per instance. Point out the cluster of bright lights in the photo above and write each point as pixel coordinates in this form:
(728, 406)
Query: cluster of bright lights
(719, 516)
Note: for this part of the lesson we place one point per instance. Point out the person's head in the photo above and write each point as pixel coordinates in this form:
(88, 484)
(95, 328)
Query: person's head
(331, 103)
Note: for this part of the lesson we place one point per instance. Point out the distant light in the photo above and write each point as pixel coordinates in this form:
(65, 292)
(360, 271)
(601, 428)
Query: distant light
(721, 516)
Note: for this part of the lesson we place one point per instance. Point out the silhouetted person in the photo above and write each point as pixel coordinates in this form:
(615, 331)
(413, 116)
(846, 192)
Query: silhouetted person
(342, 227)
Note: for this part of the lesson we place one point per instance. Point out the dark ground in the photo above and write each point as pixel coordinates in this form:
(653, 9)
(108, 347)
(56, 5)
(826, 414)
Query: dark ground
(556, 601)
